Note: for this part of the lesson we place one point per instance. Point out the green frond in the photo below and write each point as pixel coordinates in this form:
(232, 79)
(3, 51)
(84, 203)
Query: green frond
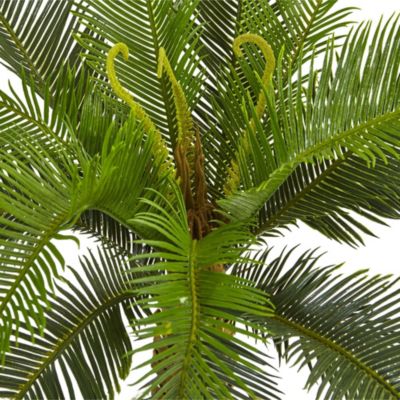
(160, 148)
(120, 91)
(197, 354)
(324, 195)
(319, 126)
(269, 63)
(35, 207)
(36, 39)
(53, 115)
(183, 115)
(345, 329)
(46, 186)
(85, 317)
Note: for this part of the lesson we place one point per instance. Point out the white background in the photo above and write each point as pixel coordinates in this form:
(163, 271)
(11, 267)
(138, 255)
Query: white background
(380, 255)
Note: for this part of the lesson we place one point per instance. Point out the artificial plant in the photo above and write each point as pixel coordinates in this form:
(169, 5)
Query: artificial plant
(182, 135)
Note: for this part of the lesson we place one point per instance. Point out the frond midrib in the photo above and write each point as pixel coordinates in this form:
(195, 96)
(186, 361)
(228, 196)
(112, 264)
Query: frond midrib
(54, 228)
(317, 149)
(194, 317)
(339, 349)
(39, 123)
(270, 223)
(327, 143)
(65, 341)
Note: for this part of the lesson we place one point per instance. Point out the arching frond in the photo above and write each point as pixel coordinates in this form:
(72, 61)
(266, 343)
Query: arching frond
(345, 329)
(305, 196)
(35, 206)
(85, 340)
(197, 354)
(55, 114)
(320, 125)
(42, 195)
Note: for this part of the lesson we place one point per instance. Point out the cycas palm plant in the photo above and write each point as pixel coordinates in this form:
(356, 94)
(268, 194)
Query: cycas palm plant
(182, 135)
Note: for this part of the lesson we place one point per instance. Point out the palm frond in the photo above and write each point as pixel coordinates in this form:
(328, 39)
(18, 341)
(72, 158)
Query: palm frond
(56, 114)
(324, 194)
(197, 354)
(85, 340)
(35, 37)
(346, 329)
(46, 185)
(320, 126)
(35, 206)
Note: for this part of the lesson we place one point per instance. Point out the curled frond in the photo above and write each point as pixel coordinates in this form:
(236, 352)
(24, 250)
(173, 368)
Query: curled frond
(233, 179)
(160, 147)
(269, 63)
(183, 116)
(119, 90)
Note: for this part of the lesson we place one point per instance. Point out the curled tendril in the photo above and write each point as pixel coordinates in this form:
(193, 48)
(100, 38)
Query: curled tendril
(269, 63)
(160, 147)
(183, 116)
(233, 179)
(119, 90)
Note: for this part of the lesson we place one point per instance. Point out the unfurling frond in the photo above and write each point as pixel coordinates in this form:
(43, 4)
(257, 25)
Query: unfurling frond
(233, 179)
(183, 116)
(160, 147)
(120, 91)
(188, 155)
(269, 63)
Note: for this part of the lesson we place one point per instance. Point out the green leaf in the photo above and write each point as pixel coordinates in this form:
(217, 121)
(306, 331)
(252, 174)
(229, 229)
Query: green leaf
(34, 205)
(322, 195)
(46, 185)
